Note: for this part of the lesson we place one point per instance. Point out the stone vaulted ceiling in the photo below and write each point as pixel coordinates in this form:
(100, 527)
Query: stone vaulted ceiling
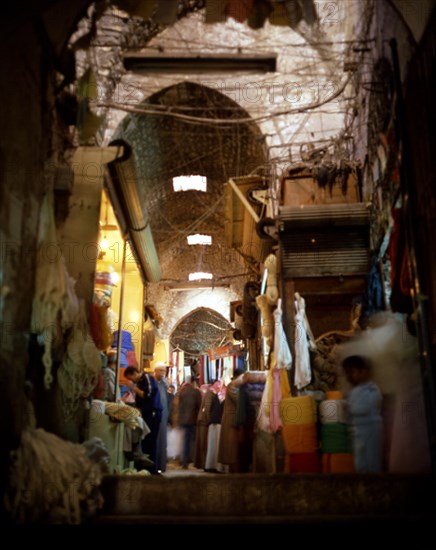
(247, 122)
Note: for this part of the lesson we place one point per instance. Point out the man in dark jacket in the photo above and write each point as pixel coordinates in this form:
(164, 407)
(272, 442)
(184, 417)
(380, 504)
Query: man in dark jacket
(148, 401)
(189, 405)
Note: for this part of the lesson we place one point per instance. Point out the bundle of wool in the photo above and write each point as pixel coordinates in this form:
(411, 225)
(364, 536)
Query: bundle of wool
(272, 292)
(78, 374)
(55, 302)
(267, 318)
(52, 481)
(326, 362)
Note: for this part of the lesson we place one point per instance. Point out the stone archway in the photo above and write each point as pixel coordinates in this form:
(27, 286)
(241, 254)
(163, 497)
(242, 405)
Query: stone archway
(165, 147)
(200, 330)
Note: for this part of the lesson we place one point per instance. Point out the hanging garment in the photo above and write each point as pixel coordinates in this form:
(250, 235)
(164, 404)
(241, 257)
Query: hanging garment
(373, 297)
(303, 341)
(401, 283)
(282, 353)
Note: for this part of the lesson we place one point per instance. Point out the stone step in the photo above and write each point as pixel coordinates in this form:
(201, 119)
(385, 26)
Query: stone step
(268, 498)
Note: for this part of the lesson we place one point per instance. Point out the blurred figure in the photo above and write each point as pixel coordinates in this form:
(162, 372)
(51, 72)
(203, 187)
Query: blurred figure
(392, 348)
(229, 445)
(170, 397)
(213, 434)
(148, 402)
(175, 432)
(160, 371)
(109, 378)
(364, 410)
(203, 420)
(189, 402)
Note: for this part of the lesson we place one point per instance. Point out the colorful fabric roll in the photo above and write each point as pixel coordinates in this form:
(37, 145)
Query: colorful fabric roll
(332, 411)
(300, 438)
(338, 463)
(335, 438)
(298, 410)
(334, 394)
(303, 463)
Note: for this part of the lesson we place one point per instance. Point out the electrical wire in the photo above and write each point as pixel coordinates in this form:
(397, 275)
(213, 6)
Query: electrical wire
(220, 121)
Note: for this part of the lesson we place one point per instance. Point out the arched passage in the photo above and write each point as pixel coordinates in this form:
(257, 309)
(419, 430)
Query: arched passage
(165, 147)
(200, 330)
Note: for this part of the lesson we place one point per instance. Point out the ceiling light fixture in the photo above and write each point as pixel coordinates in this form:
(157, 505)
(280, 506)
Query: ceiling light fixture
(199, 276)
(199, 239)
(190, 183)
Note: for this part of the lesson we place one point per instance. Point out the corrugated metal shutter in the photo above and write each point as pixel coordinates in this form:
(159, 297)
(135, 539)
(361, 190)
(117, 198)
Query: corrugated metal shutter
(324, 240)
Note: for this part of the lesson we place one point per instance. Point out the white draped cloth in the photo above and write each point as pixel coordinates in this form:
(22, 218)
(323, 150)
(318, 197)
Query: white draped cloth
(282, 353)
(304, 341)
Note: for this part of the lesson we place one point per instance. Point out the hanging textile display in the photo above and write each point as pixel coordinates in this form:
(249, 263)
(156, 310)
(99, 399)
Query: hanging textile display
(272, 292)
(304, 341)
(335, 435)
(54, 295)
(267, 325)
(332, 411)
(300, 434)
(282, 353)
(298, 410)
(335, 438)
(79, 372)
(178, 361)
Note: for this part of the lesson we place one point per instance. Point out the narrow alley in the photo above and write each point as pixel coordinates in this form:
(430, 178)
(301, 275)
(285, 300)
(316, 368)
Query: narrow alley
(217, 272)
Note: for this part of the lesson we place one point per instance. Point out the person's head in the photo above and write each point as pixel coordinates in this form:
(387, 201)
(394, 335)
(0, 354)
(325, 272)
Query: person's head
(171, 389)
(160, 371)
(132, 374)
(215, 387)
(357, 369)
(238, 372)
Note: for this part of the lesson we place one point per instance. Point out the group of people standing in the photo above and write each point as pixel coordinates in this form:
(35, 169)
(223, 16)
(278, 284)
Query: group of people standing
(203, 417)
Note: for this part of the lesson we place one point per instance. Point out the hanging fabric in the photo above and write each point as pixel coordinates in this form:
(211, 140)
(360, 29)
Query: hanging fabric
(304, 341)
(282, 353)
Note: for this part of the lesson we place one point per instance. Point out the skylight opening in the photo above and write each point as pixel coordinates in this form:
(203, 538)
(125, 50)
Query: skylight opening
(188, 183)
(199, 276)
(199, 239)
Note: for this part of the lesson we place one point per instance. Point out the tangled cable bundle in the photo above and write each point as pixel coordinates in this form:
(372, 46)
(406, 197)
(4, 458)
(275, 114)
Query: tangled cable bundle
(79, 371)
(52, 481)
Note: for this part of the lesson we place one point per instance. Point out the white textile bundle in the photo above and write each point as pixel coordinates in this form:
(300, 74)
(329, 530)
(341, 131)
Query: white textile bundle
(52, 481)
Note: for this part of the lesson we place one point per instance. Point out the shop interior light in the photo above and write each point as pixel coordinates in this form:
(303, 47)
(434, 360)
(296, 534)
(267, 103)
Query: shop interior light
(115, 278)
(104, 243)
(200, 276)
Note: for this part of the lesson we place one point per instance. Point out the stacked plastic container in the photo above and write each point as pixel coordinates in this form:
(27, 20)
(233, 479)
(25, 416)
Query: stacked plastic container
(336, 447)
(300, 434)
